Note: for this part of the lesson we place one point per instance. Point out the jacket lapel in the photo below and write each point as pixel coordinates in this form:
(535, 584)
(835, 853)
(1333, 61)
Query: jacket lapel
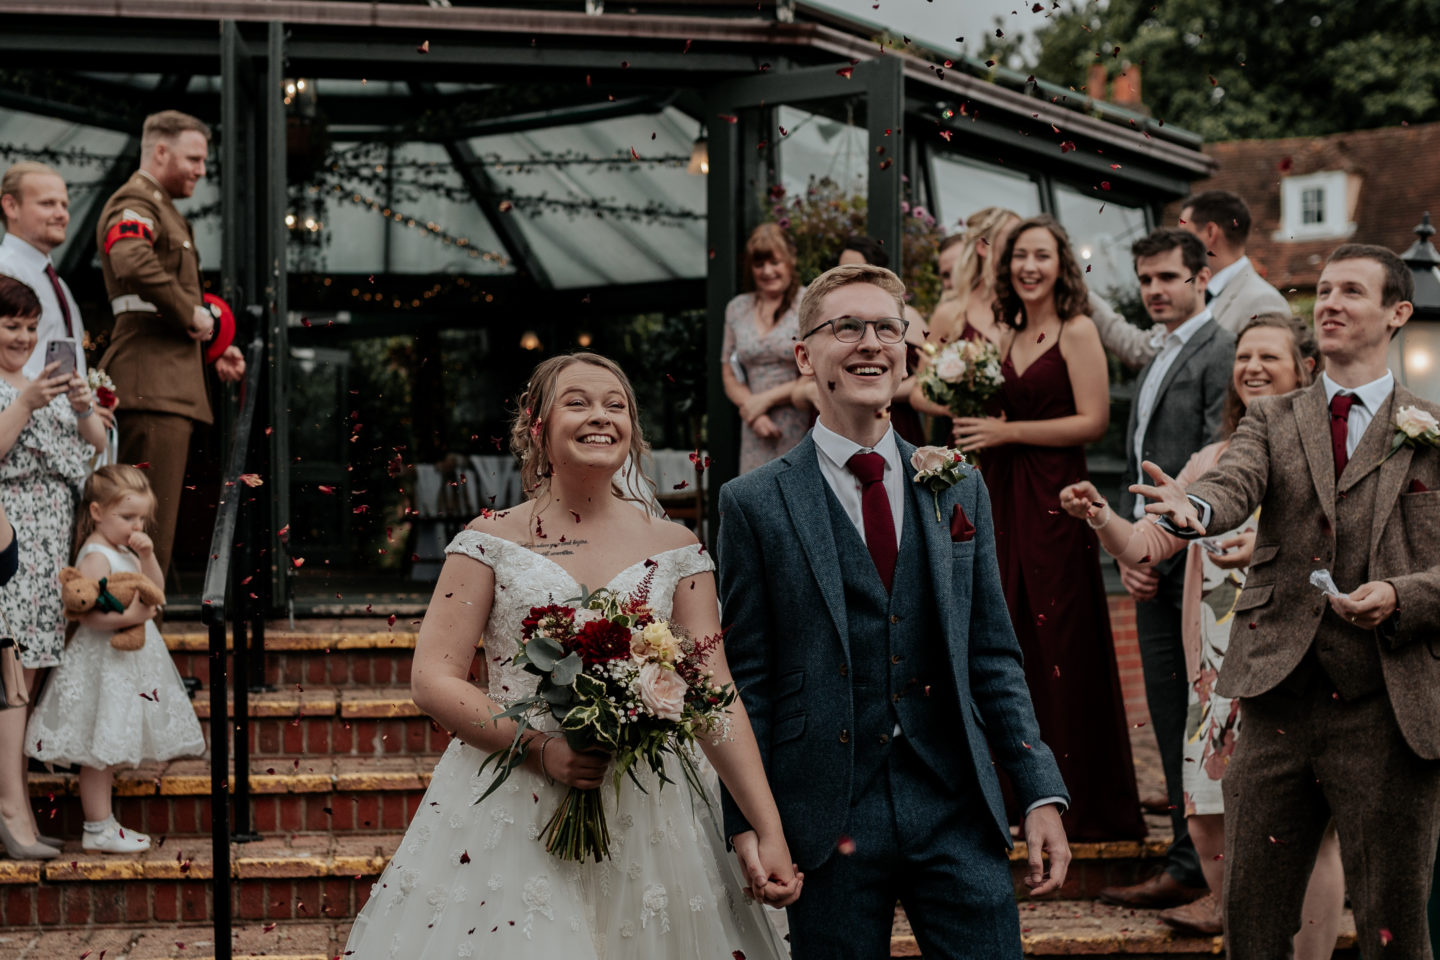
(935, 535)
(1312, 416)
(1393, 468)
(802, 487)
(1374, 446)
(1202, 336)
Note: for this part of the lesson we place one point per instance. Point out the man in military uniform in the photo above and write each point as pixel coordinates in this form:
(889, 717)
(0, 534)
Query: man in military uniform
(152, 275)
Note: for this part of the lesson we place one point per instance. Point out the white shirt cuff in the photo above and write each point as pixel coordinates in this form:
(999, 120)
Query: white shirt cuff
(1058, 801)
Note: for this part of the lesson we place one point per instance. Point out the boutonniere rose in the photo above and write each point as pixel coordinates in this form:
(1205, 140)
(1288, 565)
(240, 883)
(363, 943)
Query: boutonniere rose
(938, 468)
(1414, 427)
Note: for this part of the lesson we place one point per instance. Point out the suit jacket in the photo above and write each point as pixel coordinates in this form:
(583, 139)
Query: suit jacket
(1187, 411)
(1281, 459)
(786, 639)
(154, 363)
(1246, 295)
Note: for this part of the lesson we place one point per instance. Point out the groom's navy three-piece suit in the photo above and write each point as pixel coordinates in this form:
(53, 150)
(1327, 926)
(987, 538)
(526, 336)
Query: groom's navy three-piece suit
(877, 712)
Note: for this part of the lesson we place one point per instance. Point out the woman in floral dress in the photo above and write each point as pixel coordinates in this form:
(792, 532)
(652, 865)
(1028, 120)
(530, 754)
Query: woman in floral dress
(48, 432)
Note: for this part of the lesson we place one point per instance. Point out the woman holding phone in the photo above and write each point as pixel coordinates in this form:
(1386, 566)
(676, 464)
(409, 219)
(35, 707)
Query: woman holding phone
(48, 432)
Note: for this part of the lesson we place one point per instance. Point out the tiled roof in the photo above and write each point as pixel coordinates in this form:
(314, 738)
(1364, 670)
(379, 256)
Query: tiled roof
(1394, 169)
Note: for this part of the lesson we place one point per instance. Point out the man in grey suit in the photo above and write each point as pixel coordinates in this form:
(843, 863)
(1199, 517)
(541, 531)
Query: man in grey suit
(868, 635)
(1235, 292)
(1179, 398)
(1338, 693)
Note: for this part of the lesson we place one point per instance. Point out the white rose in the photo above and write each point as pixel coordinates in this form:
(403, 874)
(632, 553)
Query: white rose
(655, 640)
(1415, 423)
(950, 367)
(926, 459)
(662, 691)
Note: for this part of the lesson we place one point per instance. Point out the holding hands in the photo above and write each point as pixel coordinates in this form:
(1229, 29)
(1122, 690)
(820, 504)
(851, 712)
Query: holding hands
(771, 877)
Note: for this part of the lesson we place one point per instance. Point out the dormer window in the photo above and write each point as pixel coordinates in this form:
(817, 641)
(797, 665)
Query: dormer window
(1315, 206)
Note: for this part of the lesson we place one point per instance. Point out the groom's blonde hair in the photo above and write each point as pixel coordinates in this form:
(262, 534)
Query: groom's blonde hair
(837, 277)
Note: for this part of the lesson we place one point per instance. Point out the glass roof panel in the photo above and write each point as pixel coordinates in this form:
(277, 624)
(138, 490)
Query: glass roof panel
(1101, 232)
(963, 186)
(816, 146)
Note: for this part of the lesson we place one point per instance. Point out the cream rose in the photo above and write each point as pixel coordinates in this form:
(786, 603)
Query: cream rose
(1415, 423)
(656, 640)
(926, 459)
(950, 367)
(662, 691)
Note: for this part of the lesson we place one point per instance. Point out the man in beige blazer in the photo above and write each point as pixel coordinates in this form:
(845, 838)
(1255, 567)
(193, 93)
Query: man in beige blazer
(152, 276)
(1235, 292)
(1341, 695)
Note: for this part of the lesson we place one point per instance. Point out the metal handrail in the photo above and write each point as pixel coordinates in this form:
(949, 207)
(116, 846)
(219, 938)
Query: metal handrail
(215, 607)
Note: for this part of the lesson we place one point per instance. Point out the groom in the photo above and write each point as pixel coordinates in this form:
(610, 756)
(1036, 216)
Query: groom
(874, 653)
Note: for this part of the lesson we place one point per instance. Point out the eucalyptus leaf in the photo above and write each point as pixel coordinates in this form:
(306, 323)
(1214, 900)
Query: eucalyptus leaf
(543, 652)
(565, 672)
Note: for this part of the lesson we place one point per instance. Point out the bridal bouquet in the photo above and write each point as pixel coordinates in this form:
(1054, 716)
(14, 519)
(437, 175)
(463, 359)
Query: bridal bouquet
(618, 680)
(963, 375)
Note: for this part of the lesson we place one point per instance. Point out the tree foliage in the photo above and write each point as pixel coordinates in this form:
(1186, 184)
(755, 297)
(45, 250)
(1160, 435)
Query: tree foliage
(1248, 69)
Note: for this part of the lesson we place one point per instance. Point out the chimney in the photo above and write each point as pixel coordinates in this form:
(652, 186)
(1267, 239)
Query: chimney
(1096, 85)
(1126, 91)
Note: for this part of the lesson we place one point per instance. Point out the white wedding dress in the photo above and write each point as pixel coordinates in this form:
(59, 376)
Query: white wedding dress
(474, 880)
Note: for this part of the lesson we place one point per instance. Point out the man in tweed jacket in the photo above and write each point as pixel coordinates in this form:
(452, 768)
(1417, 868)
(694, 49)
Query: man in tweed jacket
(1340, 695)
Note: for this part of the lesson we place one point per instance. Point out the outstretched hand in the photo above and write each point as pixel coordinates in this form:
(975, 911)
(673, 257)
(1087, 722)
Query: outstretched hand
(1168, 499)
(1082, 500)
(1044, 834)
(770, 877)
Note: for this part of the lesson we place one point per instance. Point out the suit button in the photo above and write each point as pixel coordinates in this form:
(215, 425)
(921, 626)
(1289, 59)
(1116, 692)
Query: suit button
(844, 736)
(884, 738)
(896, 658)
(894, 698)
(844, 670)
(1317, 611)
(894, 618)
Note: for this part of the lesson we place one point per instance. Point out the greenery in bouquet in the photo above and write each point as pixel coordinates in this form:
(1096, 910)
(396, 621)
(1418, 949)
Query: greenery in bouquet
(828, 214)
(962, 375)
(617, 680)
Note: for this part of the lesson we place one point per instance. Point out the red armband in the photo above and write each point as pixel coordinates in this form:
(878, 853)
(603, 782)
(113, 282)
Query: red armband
(129, 229)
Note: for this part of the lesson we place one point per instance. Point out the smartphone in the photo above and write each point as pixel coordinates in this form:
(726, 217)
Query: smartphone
(63, 350)
(1212, 546)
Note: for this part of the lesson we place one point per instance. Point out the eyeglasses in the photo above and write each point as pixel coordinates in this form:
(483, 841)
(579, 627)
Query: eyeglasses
(852, 329)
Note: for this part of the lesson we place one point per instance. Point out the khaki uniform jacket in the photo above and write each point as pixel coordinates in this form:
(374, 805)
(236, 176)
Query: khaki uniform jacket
(1280, 458)
(155, 364)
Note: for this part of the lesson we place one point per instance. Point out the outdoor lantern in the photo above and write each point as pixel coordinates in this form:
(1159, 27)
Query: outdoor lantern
(699, 156)
(1419, 339)
(530, 340)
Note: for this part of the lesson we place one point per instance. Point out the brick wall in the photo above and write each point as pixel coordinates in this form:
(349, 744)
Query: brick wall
(1127, 657)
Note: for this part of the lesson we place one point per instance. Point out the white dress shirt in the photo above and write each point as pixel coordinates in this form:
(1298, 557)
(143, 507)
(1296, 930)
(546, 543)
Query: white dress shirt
(27, 264)
(1220, 278)
(1170, 348)
(1368, 399)
(835, 451)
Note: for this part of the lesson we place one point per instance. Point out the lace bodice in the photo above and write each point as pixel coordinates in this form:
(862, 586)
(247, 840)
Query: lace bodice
(525, 579)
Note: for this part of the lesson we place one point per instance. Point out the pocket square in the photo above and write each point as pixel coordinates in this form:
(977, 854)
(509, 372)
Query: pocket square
(961, 529)
(1417, 487)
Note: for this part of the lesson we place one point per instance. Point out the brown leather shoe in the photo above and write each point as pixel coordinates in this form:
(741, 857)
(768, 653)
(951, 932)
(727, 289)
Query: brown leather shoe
(1160, 891)
(1200, 919)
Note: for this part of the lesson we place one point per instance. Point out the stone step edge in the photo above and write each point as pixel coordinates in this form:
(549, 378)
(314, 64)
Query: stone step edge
(285, 641)
(268, 784)
(347, 703)
(94, 866)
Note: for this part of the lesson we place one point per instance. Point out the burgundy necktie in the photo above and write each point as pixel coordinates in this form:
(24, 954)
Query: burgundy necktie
(869, 469)
(1340, 405)
(64, 302)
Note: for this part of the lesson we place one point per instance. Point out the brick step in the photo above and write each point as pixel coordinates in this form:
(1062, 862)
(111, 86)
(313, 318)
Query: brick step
(343, 721)
(1052, 928)
(334, 652)
(288, 794)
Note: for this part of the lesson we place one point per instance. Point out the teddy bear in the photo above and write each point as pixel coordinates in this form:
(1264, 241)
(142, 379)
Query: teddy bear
(112, 594)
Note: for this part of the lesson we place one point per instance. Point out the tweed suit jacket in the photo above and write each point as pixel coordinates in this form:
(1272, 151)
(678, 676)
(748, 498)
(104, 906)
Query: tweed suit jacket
(1186, 415)
(1246, 295)
(155, 364)
(1281, 460)
(786, 639)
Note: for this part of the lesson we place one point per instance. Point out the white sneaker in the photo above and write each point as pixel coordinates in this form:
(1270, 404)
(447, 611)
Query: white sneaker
(115, 839)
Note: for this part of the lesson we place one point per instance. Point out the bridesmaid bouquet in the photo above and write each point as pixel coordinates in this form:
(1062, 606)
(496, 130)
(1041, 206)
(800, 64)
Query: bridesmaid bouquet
(963, 375)
(103, 388)
(618, 680)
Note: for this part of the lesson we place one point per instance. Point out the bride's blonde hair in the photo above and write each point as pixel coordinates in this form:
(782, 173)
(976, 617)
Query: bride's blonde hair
(532, 412)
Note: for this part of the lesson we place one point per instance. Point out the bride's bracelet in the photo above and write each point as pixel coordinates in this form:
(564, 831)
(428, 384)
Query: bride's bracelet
(545, 773)
(1106, 513)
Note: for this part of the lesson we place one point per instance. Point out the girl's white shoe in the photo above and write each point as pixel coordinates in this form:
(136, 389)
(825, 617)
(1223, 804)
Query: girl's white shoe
(115, 839)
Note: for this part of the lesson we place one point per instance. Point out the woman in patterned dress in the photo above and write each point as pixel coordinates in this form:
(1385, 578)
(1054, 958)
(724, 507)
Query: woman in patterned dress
(757, 361)
(47, 435)
(1274, 354)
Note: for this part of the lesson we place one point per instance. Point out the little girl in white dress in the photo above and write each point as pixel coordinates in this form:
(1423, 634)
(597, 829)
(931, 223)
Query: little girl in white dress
(104, 708)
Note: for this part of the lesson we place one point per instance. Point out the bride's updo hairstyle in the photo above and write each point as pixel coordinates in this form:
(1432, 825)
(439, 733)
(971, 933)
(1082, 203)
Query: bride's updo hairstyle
(532, 413)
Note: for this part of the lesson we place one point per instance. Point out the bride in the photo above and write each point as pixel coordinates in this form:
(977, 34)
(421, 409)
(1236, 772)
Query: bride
(473, 879)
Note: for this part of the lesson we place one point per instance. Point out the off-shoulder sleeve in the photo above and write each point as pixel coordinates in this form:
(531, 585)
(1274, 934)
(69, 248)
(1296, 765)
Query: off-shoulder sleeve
(690, 560)
(485, 547)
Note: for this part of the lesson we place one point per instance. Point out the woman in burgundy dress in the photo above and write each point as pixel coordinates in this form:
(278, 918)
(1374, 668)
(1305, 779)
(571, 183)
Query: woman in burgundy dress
(1055, 400)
